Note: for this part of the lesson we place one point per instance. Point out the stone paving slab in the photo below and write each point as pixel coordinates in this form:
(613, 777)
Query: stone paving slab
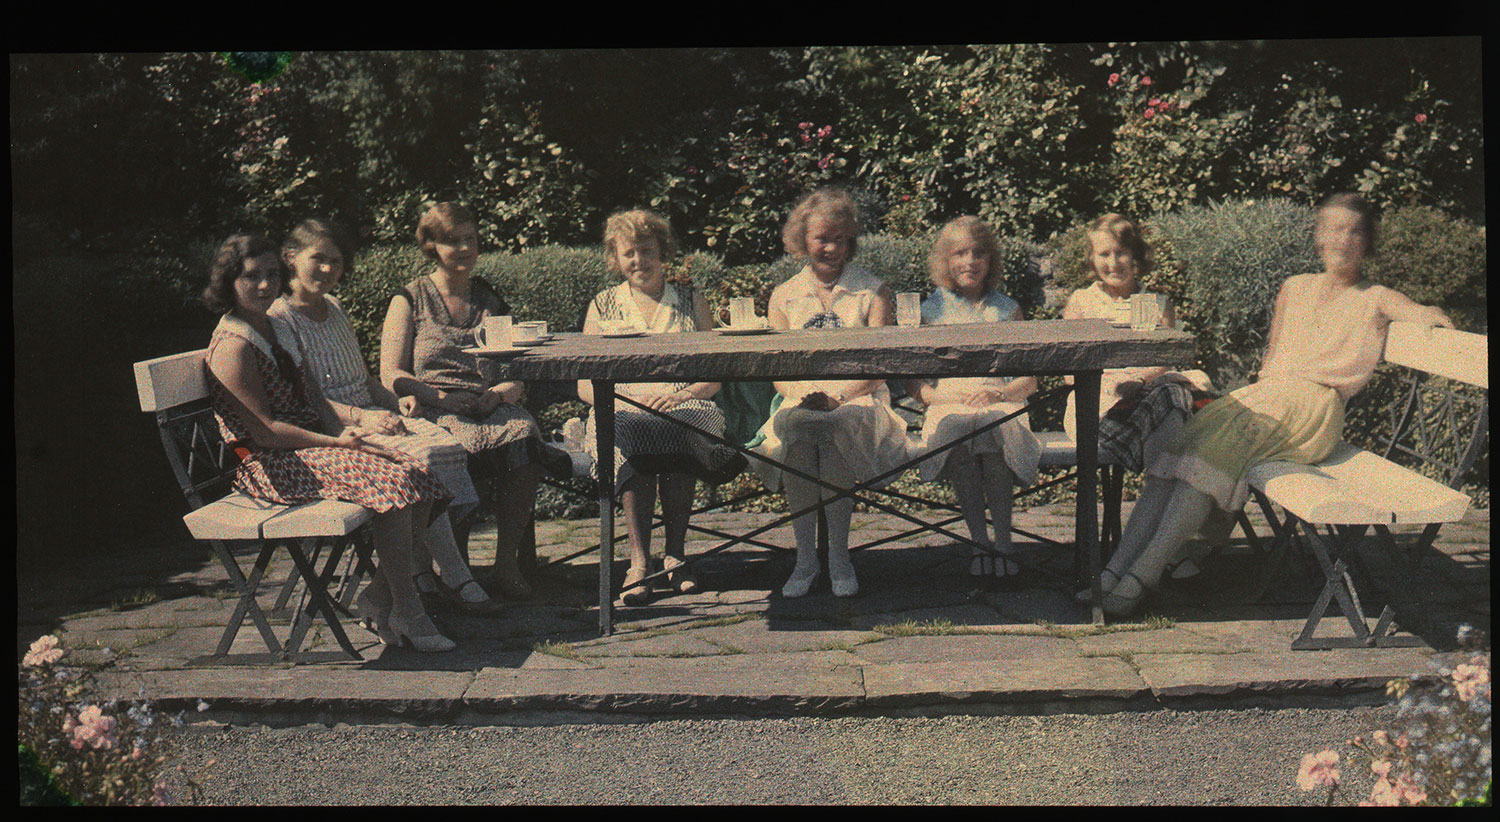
(921, 634)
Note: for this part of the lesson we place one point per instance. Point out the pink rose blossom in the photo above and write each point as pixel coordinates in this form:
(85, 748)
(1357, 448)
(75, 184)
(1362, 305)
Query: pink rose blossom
(92, 727)
(806, 139)
(825, 131)
(804, 125)
(905, 197)
(1150, 112)
(1145, 81)
(43, 652)
(1114, 78)
(824, 163)
(1318, 769)
(1155, 101)
(1421, 118)
(1384, 795)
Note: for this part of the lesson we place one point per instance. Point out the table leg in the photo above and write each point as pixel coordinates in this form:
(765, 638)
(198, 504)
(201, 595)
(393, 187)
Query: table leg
(1086, 388)
(604, 432)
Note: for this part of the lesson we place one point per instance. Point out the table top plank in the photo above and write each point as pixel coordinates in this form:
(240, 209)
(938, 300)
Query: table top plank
(1013, 348)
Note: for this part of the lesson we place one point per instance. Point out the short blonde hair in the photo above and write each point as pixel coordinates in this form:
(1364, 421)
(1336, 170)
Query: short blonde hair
(636, 226)
(963, 228)
(440, 223)
(1128, 234)
(830, 201)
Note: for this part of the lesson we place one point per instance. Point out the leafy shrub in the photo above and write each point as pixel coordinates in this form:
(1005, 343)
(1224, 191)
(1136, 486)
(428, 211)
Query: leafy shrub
(1435, 260)
(552, 283)
(366, 291)
(1233, 257)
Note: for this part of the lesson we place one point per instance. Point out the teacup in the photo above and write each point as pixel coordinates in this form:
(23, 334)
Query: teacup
(530, 331)
(742, 312)
(493, 332)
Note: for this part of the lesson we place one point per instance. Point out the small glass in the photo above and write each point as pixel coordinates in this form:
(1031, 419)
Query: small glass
(908, 309)
(1147, 311)
(741, 312)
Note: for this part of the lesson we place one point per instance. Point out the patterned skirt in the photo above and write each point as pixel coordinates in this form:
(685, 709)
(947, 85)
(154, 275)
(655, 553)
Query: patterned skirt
(439, 453)
(946, 422)
(639, 434)
(302, 475)
(1276, 420)
(505, 440)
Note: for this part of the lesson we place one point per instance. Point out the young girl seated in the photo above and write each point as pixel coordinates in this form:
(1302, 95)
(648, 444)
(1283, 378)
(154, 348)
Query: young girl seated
(650, 452)
(275, 419)
(316, 253)
(842, 431)
(1140, 409)
(428, 326)
(1327, 334)
(965, 268)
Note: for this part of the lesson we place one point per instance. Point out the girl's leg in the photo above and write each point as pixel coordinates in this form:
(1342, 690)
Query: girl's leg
(1185, 512)
(515, 501)
(1145, 519)
(407, 620)
(638, 499)
(838, 515)
(439, 543)
(968, 487)
(1000, 491)
(802, 494)
(676, 506)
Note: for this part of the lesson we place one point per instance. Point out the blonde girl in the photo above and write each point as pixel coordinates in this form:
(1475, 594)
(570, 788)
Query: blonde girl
(653, 454)
(842, 431)
(965, 268)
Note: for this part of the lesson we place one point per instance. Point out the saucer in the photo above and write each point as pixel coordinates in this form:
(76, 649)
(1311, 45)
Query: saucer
(529, 343)
(731, 331)
(495, 352)
(618, 334)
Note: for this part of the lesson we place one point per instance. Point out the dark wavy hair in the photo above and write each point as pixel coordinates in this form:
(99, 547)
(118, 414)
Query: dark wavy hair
(313, 229)
(229, 264)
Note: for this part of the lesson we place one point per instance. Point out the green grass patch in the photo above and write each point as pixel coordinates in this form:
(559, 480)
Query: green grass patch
(142, 597)
(562, 650)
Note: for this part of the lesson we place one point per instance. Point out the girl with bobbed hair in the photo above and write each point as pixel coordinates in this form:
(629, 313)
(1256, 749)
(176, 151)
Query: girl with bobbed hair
(428, 326)
(1327, 335)
(652, 453)
(274, 418)
(964, 265)
(842, 431)
(318, 252)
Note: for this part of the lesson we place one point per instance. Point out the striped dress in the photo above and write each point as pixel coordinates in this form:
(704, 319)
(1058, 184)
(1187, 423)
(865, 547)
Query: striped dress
(293, 476)
(331, 352)
(641, 437)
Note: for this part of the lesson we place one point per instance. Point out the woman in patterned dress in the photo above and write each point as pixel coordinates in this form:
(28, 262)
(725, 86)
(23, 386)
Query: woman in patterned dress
(316, 254)
(842, 431)
(272, 416)
(651, 453)
(427, 327)
(1327, 334)
(966, 270)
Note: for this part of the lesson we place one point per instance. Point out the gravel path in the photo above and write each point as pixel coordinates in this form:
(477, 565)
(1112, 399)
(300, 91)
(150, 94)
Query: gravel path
(1242, 757)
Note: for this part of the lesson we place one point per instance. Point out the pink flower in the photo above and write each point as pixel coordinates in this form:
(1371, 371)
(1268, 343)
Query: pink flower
(692, 169)
(1380, 768)
(1318, 769)
(824, 163)
(1384, 795)
(804, 126)
(1421, 118)
(93, 728)
(1155, 101)
(1114, 78)
(806, 139)
(1469, 680)
(1150, 112)
(905, 197)
(43, 652)
(1408, 791)
(1145, 81)
(825, 131)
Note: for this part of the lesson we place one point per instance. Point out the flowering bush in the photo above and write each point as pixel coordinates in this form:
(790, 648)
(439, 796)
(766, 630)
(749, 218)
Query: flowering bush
(1439, 751)
(75, 750)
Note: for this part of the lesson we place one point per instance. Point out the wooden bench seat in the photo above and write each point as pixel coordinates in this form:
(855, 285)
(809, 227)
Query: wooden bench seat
(1353, 490)
(175, 389)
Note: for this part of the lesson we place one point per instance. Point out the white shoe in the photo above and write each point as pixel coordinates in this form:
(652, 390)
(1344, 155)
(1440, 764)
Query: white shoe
(799, 583)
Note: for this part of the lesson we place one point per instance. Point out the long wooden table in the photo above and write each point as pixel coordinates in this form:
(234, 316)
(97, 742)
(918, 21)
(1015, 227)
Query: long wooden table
(1078, 348)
